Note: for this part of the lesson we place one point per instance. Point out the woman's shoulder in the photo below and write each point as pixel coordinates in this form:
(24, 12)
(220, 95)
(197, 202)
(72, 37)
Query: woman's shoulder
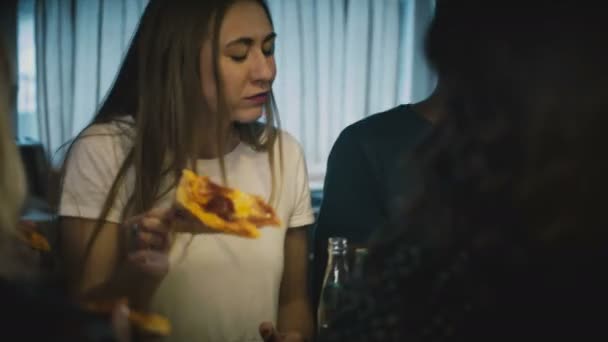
(100, 144)
(290, 144)
(115, 128)
(104, 136)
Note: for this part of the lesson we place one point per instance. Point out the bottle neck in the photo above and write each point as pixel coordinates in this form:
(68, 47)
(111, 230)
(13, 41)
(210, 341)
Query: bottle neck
(337, 262)
(337, 257)
(337, 268)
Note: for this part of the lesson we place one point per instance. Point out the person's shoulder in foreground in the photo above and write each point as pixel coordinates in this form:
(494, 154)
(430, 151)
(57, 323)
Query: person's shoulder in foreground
(361, 165)
(359, 182)
(394, 124)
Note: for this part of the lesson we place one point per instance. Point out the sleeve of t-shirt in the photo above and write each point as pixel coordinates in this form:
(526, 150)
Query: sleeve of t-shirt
(92, 166)
(302, 214)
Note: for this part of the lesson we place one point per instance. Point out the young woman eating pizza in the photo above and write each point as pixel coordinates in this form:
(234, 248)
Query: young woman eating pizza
(194, 83)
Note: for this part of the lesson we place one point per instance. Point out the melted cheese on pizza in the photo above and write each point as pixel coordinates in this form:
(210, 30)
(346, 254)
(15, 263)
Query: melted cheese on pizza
(222, 208)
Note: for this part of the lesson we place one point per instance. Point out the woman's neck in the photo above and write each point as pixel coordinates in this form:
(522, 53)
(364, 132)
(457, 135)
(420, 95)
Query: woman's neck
(211, 149)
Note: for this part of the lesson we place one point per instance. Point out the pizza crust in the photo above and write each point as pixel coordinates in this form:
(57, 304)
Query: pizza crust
(147, 323)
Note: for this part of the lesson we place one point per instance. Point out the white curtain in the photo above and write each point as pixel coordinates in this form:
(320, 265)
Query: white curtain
(79, 46)
(338, 61)
(341, 60)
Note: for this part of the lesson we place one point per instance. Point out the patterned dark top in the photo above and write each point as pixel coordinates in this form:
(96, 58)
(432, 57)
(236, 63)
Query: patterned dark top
(507, 294)
(33, 311)
(363, 180)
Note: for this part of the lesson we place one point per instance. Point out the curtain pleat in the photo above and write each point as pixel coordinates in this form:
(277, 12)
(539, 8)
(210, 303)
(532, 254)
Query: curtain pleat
(338, 61)
(79, 48)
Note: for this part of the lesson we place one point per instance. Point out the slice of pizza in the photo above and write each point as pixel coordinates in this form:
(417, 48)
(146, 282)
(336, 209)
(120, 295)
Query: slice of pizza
(147, 323)
(150, 323)
(35, 240)
(221, 208)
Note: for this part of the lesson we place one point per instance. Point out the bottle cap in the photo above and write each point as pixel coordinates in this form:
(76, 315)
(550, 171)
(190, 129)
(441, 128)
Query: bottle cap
(337, 245)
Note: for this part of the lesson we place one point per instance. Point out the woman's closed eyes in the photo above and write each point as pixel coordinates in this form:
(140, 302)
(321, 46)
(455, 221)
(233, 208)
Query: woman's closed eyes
(268, 51)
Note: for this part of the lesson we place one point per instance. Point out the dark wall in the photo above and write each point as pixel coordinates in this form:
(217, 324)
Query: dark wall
(8, 28)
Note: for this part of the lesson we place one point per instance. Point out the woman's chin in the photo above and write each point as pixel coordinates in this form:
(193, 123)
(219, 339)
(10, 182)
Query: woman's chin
(247, 115)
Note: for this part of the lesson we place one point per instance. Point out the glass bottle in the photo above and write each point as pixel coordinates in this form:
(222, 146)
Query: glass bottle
(336, 276)
(359, 261)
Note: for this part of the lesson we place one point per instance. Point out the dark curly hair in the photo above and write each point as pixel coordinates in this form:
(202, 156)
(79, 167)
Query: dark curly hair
(513, 182)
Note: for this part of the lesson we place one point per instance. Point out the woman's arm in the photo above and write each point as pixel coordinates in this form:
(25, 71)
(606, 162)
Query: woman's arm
(108, 271)
(295, 314)
(85, 275)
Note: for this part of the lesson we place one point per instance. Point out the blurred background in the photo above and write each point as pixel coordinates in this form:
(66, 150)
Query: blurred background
(338, 61)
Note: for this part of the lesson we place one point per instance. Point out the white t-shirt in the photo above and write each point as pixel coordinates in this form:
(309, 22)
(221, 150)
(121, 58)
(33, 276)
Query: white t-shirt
(219, 287)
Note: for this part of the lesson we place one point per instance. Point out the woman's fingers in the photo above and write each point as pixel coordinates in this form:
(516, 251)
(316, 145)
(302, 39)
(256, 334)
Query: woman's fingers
(270, 334)
(166, 215)
(151, 229)
(150, 262)
(120, 323)
(162, 221)
(151, 240)
(154, 224)
(156, 219)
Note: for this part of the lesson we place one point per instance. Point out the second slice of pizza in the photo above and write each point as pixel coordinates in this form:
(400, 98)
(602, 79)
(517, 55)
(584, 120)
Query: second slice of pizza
(225, 209)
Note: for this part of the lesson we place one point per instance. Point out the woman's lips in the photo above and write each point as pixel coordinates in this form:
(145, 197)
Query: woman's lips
(258, 99)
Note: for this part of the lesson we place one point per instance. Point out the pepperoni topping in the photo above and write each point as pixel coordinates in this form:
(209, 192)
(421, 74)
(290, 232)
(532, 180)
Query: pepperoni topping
(221, 206)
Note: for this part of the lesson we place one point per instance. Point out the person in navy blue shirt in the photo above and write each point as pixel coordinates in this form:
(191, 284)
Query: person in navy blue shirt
(363, 180)
(505, 239)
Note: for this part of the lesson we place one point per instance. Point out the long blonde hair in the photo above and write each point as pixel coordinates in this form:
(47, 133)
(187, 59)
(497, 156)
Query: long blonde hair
(159, 86)
(12, 179)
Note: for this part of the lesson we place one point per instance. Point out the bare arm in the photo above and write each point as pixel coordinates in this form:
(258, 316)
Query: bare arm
(106, 271)
(295, 314)
(85, 274)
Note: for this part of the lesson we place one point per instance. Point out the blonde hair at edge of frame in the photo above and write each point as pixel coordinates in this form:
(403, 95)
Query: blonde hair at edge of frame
(12, 179)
